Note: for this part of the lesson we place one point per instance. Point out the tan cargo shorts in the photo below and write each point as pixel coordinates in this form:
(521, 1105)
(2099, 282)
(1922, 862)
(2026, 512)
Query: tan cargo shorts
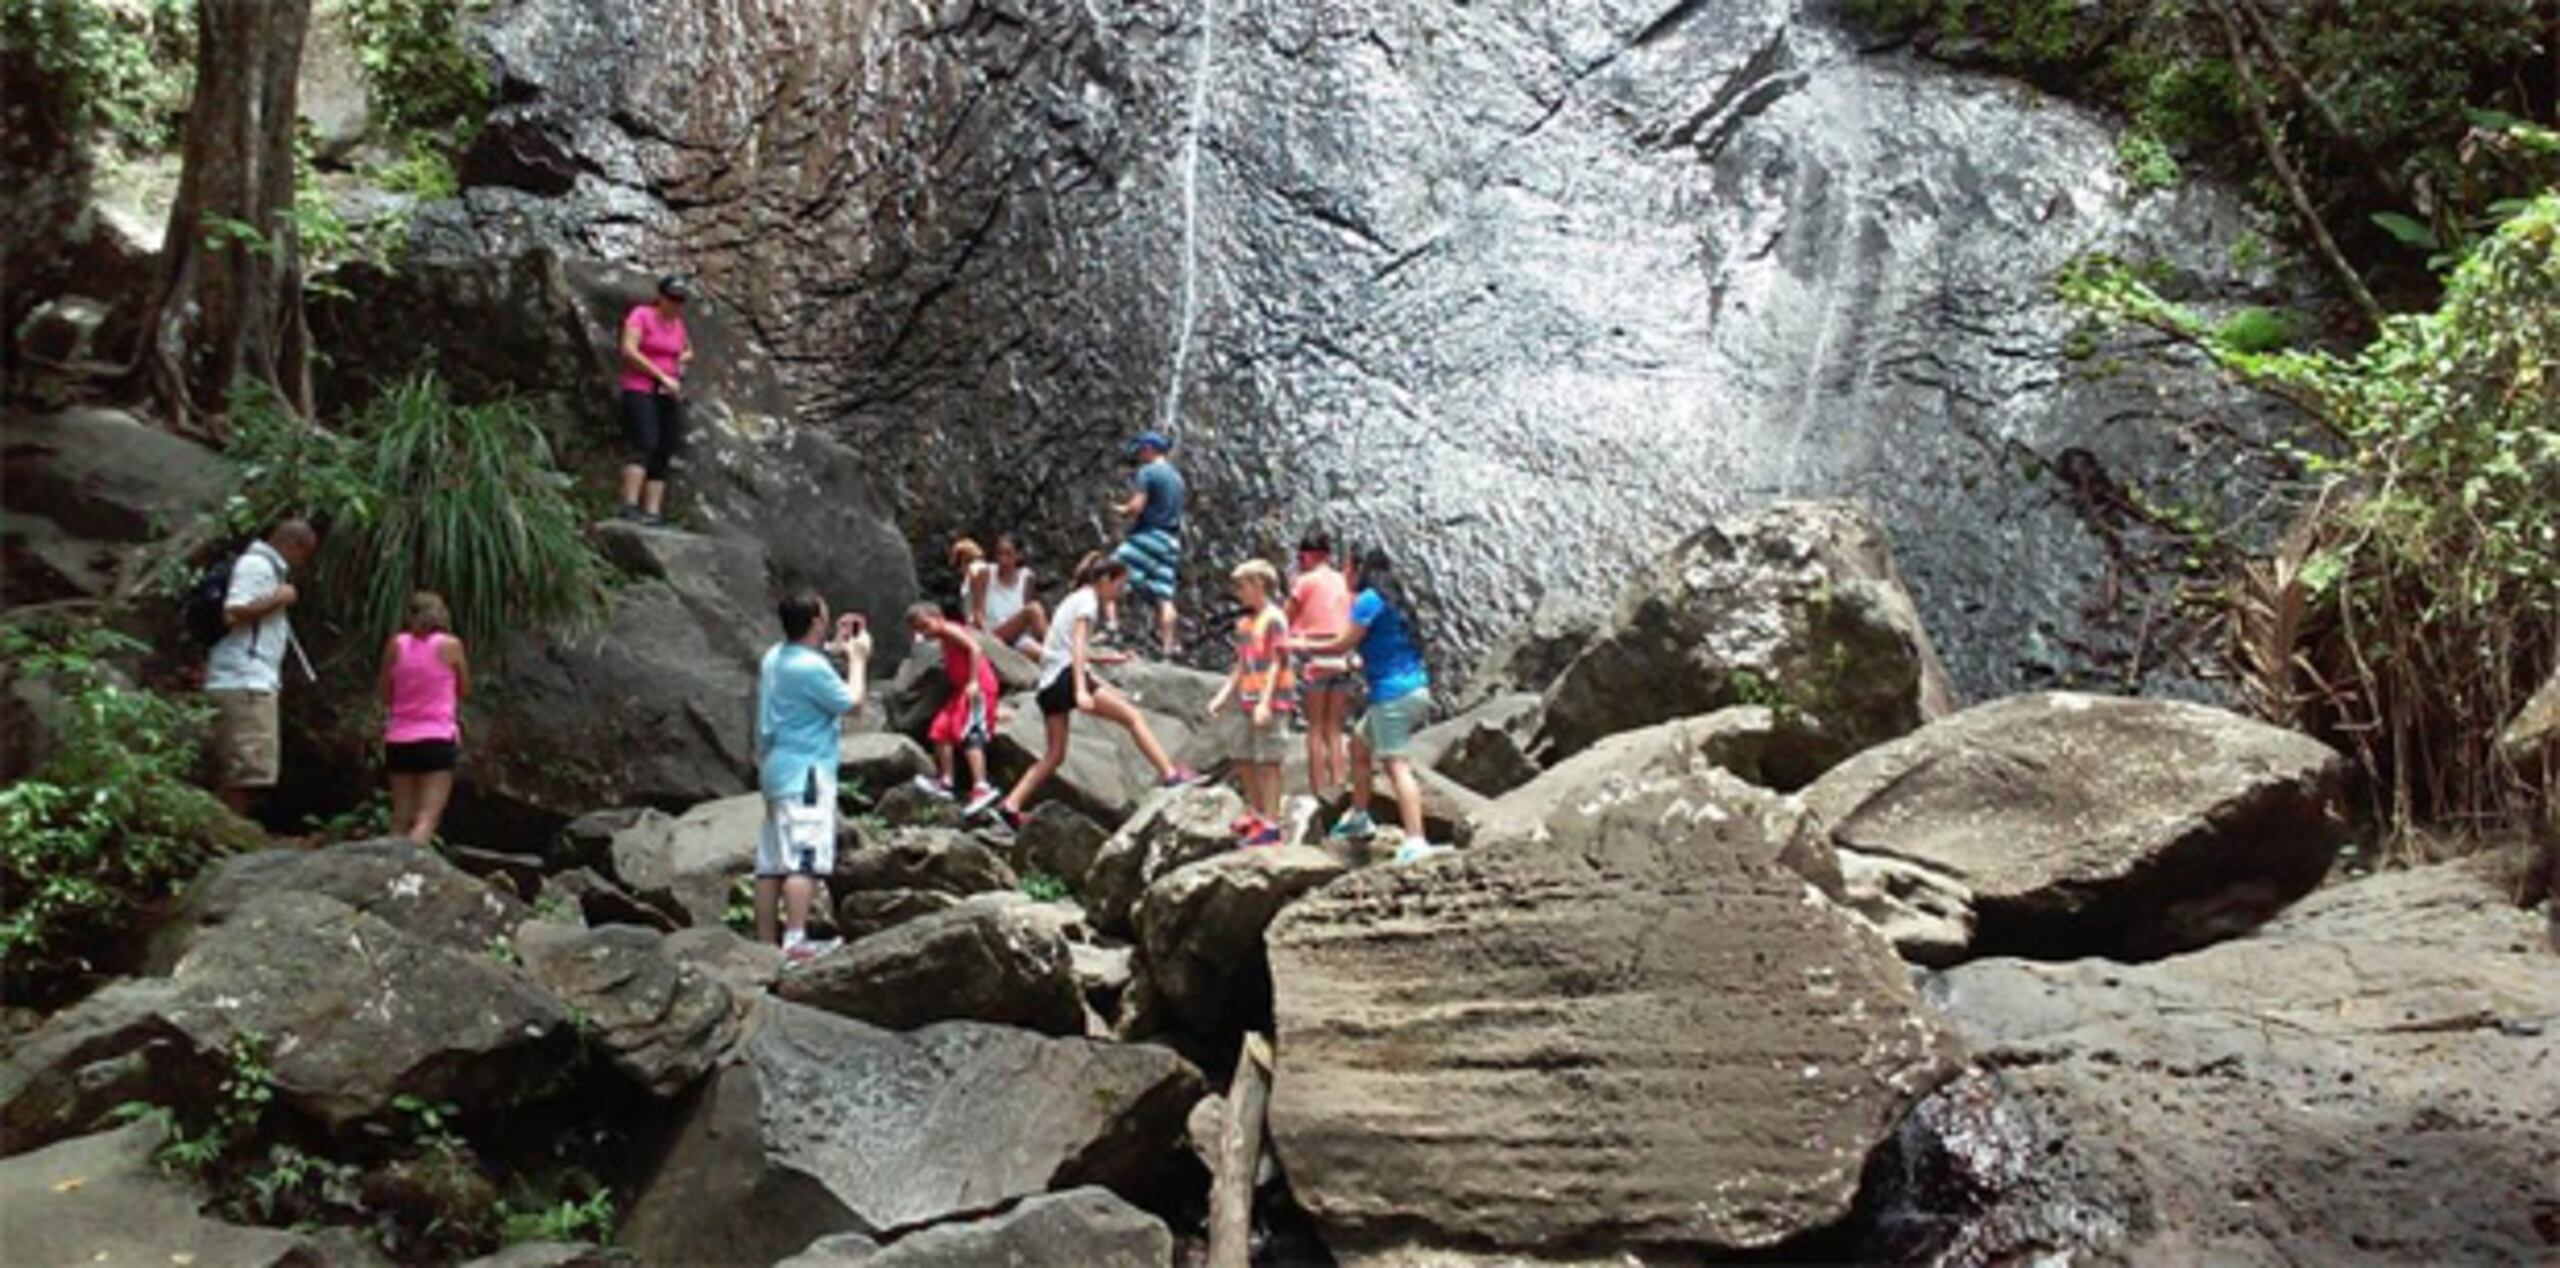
(248, 742)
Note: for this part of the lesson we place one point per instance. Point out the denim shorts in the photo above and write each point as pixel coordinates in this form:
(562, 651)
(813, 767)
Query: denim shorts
(1387, 728)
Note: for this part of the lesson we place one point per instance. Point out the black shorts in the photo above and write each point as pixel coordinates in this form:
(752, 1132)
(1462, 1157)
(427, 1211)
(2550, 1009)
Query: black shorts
(422, 757)
(1059, 698)
(652, 431)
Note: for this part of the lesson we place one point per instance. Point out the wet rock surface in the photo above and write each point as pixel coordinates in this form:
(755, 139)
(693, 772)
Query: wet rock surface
(2092, 825)
(827, 1125)
(1638, 1034)
(1650, 261)
(2363, 1080)
(104, 1199)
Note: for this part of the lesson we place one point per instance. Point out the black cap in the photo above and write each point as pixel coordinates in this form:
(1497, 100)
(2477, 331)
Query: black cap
(673, 286)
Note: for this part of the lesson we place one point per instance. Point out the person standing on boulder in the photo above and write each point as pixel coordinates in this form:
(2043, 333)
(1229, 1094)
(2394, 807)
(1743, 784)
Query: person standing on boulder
(966, 721)
(1068, 686)
(656, 348)
(1153, 550)
(1261, 687)
(1319, 611)
(1399, 696)
(800, 698)
(997, 597)
(244, 673)
(425, 676)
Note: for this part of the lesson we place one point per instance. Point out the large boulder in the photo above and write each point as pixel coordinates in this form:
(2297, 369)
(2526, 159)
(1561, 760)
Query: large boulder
(544, 327)
(82, 489)
(1058, 840)
(1201, 927)
(987, 960)
(1531, 654)
(827, 1125)
(879, 761)
(415, 891)
(105, 1199)
(1486, 749)
(1081, 1228)
(691, 862)
(653, 706)
(1796, 606)
(1722, 754)
(1170, 830)
(659, 1019)
(2364, 1080)
(922, 860)
(1638, 1033)
(355, 1014)
(2094, 825)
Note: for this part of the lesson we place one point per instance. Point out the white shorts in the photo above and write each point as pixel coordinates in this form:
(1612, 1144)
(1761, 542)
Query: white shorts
(798, 838)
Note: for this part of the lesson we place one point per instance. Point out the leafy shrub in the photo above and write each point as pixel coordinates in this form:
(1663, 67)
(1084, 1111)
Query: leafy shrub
(423, 76)
(420, 492)
(128, 69)
(2411, 614)
(109, 822)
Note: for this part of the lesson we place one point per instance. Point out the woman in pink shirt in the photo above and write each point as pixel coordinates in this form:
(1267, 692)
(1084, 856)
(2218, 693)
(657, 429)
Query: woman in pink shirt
(655, 351)
(425, 675)
(1320, 608)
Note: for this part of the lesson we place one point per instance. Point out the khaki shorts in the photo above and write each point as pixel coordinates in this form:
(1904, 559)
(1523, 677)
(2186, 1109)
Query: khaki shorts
(1250, 745)
(248, 743)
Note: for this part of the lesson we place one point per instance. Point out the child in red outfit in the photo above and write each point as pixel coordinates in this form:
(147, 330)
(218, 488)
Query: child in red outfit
(967, 720)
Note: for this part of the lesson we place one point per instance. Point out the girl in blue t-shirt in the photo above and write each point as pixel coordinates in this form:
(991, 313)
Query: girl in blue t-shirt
(1382, 631)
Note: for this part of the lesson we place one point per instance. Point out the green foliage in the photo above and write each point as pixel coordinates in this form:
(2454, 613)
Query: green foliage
(740, 913)
(423, 77)
(588, 1219)
(1042, 887)
(422, 171)
(2259, 330)
(420, 492)
(364, 821)
(110, 821)
(2413, 611)
(2146, 162)
(126, 68)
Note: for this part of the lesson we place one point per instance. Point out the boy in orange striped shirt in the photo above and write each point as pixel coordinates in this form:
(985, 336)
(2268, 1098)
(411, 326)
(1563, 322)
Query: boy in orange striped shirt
(1262, 684)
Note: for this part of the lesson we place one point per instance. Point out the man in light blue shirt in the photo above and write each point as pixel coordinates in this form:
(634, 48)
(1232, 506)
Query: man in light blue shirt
(244, 673)
(801, 698)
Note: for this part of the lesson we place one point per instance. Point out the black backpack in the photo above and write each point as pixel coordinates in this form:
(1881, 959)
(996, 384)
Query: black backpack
(203, 609)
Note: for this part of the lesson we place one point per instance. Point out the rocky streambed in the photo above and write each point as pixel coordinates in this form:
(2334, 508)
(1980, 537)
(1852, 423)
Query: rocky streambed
(1667, 1001)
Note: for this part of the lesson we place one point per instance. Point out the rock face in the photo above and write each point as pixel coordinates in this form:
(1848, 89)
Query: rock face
(1201, 926)
(1057, 840)
(1797, 603)
(1647, 261)
(929, 860)
(1639, 1033)
(1170, 830)
(2364, 1080)
(1486, 748)
(83, 488)
(105, 1200)
(2089, 825)
(984, 961)
(827, 1125)
(661, 1020)
(1081, 1228)
(415, 891)
(692, 861)
(1529, 657)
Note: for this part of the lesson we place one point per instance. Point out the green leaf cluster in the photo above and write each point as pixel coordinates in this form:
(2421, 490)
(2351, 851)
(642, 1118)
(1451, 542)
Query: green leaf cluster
(2421, 601)
(128, 69)
(424, 77)
(418, 491)
(110, 821)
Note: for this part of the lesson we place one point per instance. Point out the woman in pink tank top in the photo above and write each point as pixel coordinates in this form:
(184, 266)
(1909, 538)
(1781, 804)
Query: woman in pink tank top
(425, 675)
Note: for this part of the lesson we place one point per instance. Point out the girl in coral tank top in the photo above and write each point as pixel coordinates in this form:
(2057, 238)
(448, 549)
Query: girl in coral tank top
(425, 675)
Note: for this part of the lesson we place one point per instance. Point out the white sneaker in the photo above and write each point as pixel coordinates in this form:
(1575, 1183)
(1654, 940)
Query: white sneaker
(1416, 850)
(802, 952)
(934, 788)
(986, 795)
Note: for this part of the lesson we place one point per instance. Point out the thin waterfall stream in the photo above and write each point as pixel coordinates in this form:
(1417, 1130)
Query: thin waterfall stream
(1187, 312)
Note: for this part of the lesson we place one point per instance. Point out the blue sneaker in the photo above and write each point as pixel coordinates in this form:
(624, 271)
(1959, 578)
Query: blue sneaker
(1355, 826)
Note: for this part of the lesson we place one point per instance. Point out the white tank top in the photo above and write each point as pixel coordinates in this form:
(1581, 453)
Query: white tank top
(1003, 601)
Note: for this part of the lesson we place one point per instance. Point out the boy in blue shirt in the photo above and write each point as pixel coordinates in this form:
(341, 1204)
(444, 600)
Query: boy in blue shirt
(1153, 550)
(800, 698)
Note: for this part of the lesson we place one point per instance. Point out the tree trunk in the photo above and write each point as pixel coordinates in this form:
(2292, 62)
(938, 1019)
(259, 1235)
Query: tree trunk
(229, 306)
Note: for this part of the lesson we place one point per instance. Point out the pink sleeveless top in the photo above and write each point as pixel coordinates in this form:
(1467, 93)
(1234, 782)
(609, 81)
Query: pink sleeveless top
(423, 695)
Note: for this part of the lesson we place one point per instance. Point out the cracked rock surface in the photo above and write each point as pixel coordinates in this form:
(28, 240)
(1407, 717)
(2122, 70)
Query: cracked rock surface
(1523, 290)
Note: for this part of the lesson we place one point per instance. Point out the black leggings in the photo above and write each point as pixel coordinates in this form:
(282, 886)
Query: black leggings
(652, 431)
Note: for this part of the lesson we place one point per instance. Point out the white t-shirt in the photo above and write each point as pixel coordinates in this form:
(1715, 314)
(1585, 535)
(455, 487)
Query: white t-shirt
(1059, 653)
(251, 657)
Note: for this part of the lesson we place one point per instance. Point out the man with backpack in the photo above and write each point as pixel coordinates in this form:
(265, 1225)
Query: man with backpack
(244, 673)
